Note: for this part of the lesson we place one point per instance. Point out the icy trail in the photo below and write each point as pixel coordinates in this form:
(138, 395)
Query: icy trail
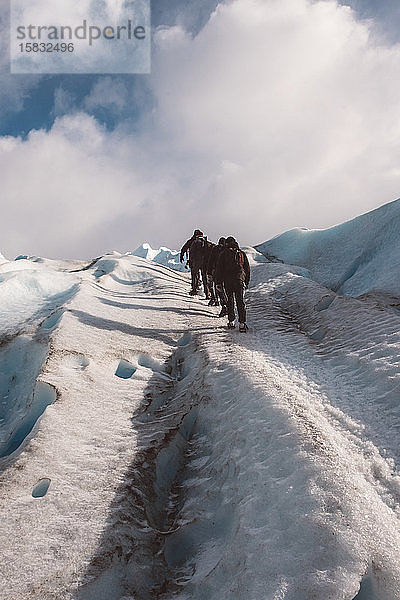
(181, 460)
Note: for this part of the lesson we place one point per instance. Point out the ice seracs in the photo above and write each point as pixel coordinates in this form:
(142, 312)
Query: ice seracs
(352, 258)
(163, 256)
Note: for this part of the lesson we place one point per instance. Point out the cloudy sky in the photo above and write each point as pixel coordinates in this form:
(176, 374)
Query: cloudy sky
(258, 116)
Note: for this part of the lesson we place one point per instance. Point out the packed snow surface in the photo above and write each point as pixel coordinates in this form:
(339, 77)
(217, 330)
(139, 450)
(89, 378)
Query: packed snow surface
(352, 258)
(176, 459)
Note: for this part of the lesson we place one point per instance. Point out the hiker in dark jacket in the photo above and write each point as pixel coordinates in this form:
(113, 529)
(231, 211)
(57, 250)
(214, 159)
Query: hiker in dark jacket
(233, 271)
(207, 283)
(219, 292)
(194, 247)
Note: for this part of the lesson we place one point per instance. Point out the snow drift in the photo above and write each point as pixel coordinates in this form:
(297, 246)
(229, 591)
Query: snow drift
(352, 258)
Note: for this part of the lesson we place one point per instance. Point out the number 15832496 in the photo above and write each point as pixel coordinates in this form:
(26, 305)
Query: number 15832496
(46, 47)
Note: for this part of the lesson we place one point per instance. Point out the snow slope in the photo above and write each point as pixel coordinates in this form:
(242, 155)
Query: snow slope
(352, 258)
(177, 459)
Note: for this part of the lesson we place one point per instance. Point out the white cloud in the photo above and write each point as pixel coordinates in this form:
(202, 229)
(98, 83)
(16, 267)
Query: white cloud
(108, 93)
(63, 102)
(278, 113)
(293, 94)
(60, 187)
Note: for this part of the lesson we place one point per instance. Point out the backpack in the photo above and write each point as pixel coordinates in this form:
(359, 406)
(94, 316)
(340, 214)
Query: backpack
(238, 258)
(235, 265)
(197, 249)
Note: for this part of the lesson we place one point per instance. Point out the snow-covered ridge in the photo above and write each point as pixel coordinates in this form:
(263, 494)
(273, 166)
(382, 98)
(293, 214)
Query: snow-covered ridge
(352, 258)
(173, 458)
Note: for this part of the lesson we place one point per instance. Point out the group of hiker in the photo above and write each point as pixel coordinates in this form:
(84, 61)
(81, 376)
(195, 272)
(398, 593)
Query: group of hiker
(223, 269)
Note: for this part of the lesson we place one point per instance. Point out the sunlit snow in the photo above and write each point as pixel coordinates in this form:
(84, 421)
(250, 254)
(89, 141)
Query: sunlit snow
(148, 452)
(352, 258)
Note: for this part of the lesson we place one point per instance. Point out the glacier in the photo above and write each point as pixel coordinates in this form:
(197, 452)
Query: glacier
(148, 452)
(352, 258)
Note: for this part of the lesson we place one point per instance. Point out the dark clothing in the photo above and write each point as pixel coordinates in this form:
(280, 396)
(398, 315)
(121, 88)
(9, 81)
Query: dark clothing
(208, 285)
(213, 258)
(207, 280)
(195, 274)
(197, 251)
(211, 289)
(219, 291)
(186, 247)
(208, 249)
(232, 267)
(236, 294)
(232, 273)
(195, 247)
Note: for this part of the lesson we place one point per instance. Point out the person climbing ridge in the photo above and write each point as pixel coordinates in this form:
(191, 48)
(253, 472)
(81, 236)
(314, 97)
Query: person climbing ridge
(219, 292)
(233, 272)
(207, 282)
(195, 248)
